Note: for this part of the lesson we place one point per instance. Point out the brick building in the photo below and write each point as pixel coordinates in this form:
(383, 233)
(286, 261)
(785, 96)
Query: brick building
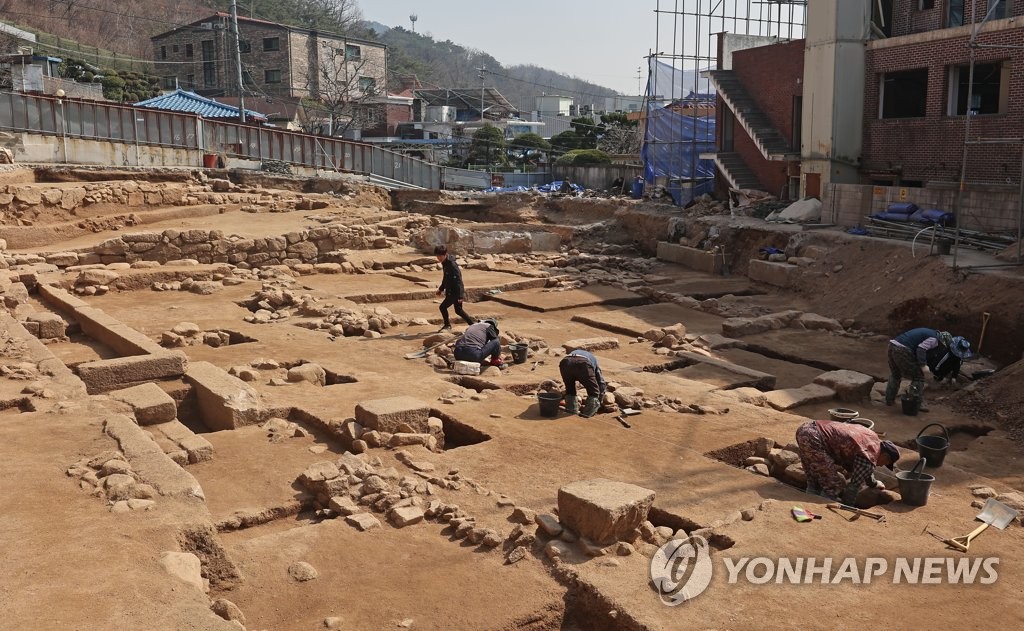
(758, 114)
(915, 96)
(889, 84)
(277, 60)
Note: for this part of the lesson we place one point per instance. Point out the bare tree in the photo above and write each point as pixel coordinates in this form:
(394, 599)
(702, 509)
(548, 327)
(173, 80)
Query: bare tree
(620, 140)
(341, 15)
(344, 88)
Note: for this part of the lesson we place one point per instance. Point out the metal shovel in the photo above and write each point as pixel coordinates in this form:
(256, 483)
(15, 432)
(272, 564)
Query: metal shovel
(993, 514)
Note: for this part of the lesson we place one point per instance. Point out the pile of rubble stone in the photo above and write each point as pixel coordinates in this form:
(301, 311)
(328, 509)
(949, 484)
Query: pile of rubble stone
(108, 475)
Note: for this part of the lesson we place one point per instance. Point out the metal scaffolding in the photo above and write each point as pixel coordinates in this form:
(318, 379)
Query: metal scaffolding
(686, 44)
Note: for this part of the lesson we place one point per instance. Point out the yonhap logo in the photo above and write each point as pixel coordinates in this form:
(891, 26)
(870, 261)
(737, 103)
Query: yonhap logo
(681, 570)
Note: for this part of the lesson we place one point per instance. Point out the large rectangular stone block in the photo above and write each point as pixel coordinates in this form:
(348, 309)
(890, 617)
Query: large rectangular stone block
(113, 374)
(387, 414)
(790, 398)
(771, 272)
(691, 258)
(149, 402)
(591, 344)
(225, 402)
(603, 511)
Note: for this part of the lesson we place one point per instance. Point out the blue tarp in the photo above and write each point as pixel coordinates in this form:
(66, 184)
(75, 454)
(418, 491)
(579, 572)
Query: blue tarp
(546, 188)
(672, 147)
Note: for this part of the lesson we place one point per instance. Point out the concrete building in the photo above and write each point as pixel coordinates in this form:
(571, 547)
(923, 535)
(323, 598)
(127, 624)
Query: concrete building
(876, 94)
(277, 60)
(553, 105)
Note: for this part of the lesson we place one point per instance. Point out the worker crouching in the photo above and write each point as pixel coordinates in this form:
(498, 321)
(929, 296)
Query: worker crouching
(479, 343)
(827, 445)
(581, 366)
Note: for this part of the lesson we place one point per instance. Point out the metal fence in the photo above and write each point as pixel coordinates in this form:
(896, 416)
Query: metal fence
(110, 122)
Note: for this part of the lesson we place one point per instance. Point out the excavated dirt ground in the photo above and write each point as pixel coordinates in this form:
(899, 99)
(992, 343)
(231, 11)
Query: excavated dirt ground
(69, 562)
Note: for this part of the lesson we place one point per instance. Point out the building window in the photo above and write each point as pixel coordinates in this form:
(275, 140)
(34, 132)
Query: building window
(174, 48)
(244, 46)
(209, 65)
(367, 85)
(904, 94)
(163, 52)
(190, 81)
(352, 52)
(955, 16)
(247, 78)
(924, 5)
(1002, 9)
(169, 82)
(989, 93)
(272, 76)
(271, 43)
(188, 50)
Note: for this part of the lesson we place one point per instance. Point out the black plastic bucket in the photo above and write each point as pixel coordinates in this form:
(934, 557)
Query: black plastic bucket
(914, 485)
(548, 403)
(519, 353)
(911, 404)
(933, 448)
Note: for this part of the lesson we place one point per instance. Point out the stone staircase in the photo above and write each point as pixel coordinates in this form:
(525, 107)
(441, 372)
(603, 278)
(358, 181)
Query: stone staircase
(736, 171)
(772, 145)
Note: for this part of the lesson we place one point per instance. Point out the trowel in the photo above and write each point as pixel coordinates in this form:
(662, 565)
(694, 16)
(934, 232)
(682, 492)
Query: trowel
(993, 514)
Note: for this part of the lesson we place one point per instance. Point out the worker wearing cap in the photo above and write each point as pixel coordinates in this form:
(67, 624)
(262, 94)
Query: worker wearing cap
(582, 366)
(908, 355)
(479, 342)
(827, 445)
(945, 361)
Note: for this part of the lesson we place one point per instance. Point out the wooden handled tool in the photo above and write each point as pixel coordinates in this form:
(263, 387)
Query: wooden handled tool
(964, 543)
(858, 511)
(984, 324)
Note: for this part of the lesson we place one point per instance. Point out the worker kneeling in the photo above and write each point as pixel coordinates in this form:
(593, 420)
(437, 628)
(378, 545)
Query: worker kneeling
(479, 342)
(582, 366)
(827, 445)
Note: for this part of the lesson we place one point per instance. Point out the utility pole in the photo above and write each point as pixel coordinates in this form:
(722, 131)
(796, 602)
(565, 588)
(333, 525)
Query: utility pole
(639, 86)
(482, 70)
(238, 61)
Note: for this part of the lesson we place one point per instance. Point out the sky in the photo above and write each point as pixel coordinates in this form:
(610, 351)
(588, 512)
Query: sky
(600, 41)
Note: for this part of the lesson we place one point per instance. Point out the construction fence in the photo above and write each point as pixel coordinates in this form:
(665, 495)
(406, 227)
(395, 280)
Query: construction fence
(115, 123)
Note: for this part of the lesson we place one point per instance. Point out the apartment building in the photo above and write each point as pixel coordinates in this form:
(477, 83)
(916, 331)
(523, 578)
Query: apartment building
(276, 60)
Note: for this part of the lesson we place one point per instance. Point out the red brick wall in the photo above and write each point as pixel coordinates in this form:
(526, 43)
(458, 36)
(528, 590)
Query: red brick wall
(908, 19)
(930, 148)
(772, 76)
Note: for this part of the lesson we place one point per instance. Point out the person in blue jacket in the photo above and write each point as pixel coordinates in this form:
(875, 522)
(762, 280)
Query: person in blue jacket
(908, 356)
(582, 366)
(452, 288)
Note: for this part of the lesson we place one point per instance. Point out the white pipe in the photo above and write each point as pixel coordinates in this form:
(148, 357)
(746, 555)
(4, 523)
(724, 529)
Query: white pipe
(914, 240)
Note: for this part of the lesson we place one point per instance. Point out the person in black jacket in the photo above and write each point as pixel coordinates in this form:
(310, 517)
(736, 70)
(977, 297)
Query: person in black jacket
(452, 288)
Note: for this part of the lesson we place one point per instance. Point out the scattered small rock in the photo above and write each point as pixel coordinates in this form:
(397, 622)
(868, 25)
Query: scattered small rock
(302, 571)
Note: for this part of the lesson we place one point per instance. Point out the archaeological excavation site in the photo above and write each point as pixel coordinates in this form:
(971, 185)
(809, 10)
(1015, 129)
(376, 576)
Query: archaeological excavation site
(226, 404)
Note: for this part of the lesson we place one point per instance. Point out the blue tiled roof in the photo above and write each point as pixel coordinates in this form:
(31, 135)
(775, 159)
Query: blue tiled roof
(184, 101)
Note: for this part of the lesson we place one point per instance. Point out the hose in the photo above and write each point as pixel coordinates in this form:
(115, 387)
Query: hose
(914, 240)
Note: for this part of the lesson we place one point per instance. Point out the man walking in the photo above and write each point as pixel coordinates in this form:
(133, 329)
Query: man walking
(452, 288)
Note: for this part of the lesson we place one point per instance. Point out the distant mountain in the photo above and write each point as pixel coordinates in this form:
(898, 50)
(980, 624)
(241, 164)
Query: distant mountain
(445, 64)
(376, 27)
